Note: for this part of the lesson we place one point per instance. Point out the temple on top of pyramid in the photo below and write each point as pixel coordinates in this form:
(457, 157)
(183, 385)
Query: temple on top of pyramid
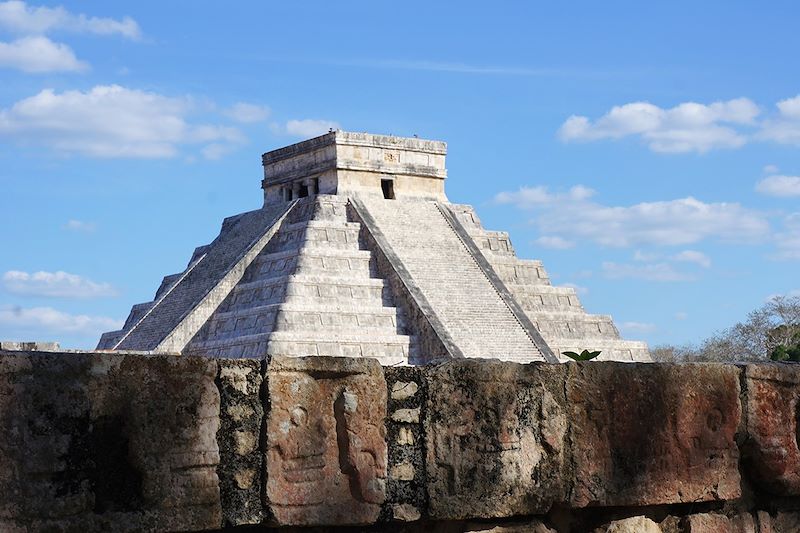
(357, 252)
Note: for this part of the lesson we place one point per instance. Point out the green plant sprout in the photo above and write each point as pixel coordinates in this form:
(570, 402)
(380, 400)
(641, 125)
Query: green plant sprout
(585, 355)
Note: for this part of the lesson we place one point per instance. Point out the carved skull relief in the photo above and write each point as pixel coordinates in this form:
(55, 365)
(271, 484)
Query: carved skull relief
(326, 447)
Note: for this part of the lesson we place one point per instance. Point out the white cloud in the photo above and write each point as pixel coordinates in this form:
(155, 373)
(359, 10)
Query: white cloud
(531, 197)
(55, 284)
(216, 151)
(48, 320)
(248, 113)
(687, 127)
(770, 169)
(310, 127)
(637, 327)
(779, 186)
(788, 240)
(80, 226)
(661, 272)
(693, 256)
(557, 243)
(39, 54)
(18, 17)
(784, 128)
(645, 257)
(572, 216)
(109, 121)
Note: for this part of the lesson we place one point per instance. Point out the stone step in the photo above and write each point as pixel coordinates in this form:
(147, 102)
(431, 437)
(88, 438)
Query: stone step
(513, 270)
(389, 349)
(167, 282)
(291, 316)
(311, 260)
(109, 339)
(533, 298)
(324, 290)
(320, 207)
(137, 312)
(316, 233)
(497, 243)
(576, 329)
(575, 324)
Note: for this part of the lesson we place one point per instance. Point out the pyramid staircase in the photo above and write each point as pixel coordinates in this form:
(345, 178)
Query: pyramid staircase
(312, 291)
(555, 311)
(468, 305)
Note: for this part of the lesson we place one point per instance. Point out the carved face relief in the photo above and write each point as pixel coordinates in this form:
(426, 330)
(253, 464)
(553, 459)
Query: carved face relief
(179, 463)
(326, 447)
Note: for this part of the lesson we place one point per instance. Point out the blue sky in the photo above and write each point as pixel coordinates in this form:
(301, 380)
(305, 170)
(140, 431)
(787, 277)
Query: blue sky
(648, 154)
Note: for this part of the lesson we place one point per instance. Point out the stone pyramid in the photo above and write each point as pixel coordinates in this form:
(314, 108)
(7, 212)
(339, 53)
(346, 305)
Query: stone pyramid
(358, 253)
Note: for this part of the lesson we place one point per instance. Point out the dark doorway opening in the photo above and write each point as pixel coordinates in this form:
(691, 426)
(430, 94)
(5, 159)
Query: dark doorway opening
(303, 192)
(315, 186)
(388, 189)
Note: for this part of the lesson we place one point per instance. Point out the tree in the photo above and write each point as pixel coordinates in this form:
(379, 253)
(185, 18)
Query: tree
(771, 331)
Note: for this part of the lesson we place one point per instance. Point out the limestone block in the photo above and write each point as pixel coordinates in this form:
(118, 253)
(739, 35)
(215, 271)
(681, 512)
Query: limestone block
(635, 524)
(717, 523)
(108, 442)
(241, 413)
(647, 434)
(495, 438)
(326, 452)
(402, 390)
(405, 512)
(773, 458)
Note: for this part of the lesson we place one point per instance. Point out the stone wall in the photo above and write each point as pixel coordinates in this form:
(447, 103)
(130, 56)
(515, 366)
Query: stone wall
(137, 442)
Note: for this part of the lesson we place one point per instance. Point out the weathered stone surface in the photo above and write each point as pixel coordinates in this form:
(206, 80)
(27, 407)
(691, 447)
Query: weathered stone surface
(646, 434)
(495, 438)
(403, 390)
(242, 412)
(635, 524)
(405, 496)
(780, 523)
(718, 523)
(108, 442)
(773, 458)
(326, 453)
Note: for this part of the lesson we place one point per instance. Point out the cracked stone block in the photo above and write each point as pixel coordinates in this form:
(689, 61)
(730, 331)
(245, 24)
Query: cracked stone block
(326, 451)
(108, 442)
(241, 415)
(773, 458)
(495, 438)
(648, 434)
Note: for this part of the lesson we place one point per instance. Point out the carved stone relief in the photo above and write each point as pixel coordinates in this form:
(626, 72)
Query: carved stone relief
(326, 449)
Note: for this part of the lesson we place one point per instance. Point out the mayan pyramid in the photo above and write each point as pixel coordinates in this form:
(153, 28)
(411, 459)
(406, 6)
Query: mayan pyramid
(357, 252)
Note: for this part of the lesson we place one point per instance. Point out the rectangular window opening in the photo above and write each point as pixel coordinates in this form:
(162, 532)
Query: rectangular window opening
(388, 189)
